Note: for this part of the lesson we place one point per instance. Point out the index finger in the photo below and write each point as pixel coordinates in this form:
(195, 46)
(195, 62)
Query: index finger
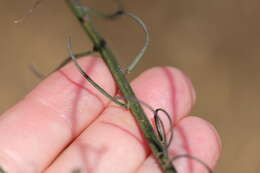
(36, 130)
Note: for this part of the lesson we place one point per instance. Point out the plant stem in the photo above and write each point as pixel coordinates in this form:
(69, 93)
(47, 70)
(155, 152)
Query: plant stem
(159, 150)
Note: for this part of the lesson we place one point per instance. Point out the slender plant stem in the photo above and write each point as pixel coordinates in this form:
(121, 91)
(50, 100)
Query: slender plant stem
(158, 148)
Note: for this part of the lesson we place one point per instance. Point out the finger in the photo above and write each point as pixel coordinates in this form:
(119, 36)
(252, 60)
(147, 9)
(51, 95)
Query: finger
(114, 143)
(34, 131)
(194, 137)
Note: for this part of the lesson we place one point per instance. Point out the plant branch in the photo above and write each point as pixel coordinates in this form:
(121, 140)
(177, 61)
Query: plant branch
(158, 148)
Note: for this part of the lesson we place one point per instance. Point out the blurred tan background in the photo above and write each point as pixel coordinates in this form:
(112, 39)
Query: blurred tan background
(216, 43)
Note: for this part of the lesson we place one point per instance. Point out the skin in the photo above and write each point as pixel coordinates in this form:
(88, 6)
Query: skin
(65, 125)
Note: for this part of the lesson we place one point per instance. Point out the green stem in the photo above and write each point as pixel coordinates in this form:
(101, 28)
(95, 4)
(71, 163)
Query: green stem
(2, 170)
(158, 148)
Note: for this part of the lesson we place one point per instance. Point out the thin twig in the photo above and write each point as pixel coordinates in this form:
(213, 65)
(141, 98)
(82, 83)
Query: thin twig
(29, 12)
(40, 75)
(158, 148)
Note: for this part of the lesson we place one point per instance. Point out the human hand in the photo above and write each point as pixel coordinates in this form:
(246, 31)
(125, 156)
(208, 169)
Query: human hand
(65, 125)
